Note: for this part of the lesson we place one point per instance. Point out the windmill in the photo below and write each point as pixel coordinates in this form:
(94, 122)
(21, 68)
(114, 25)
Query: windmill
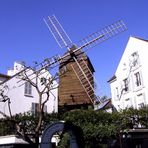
(76, 86)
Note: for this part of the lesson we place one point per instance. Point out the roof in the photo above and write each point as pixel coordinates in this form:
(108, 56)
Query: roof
(4, 76)
(79, 54)
(10, 77)
(103, 104)
(112, 79)
(140, 39)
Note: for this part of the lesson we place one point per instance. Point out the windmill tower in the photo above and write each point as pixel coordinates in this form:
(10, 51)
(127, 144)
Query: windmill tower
(76, 86)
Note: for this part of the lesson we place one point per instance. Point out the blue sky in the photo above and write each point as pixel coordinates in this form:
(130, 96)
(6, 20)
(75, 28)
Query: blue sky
(25, 37)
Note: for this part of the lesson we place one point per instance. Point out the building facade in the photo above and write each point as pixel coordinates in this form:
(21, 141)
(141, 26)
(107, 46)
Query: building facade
(21, 96)
(129, 85)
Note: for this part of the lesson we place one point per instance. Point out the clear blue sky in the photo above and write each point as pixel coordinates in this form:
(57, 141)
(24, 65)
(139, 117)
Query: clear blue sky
(25, 37)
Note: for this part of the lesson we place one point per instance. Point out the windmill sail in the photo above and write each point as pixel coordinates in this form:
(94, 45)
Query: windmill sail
(74, 53)
(58, 32)
(102, 35)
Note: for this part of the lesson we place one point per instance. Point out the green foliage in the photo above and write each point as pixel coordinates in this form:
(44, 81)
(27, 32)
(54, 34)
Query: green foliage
(27, 122)
(50, 118)
(143, 116)
(7, 127)
(98, 126)
(65, 141)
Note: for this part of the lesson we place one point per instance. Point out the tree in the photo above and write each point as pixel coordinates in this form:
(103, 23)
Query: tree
(41, 80)
(43, 85)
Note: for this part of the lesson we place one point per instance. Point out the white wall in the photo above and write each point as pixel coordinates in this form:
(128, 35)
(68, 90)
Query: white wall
(135, 95)
(11, 139)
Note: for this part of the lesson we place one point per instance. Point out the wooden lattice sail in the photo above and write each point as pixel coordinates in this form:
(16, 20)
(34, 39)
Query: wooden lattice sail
(76, 85)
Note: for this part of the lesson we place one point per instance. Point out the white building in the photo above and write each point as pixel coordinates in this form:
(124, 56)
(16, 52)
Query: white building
(23, 97)
(129, 85)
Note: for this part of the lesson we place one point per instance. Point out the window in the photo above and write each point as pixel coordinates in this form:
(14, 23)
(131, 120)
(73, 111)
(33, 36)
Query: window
(134, 59)
(137, 79)
(35, 109)
(45, 108)
(28, 89)
(134, 54)
(128, 103)
(116, 94)
(124, 66)
(43, 81)
(141, 105)
(127, 99)
(140, 100)
(125, 83)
